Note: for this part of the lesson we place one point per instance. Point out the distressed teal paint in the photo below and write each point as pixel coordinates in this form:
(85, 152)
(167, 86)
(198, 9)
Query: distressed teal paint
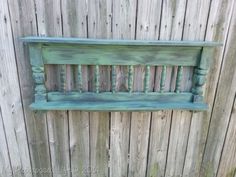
(97, 82)
(120, 55)
(130, 78)
(147, 79)
(113, 79)
(80, 86)
(178, 79)
(163, 79)
(130, 53)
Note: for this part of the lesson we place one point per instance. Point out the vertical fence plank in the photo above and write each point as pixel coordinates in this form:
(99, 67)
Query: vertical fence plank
(123, 27)
(74, 15)
(181, 119)
(148, 16)
(222, 105)
(219, 12)
(171, 29)
(5, 164)
(10, 100)
(99, 26)
(227, 165)
(50, 24)
(24, 24)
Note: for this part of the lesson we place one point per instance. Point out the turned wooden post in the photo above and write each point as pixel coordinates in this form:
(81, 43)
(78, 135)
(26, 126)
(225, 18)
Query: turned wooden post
(36, 61)
(200, 72)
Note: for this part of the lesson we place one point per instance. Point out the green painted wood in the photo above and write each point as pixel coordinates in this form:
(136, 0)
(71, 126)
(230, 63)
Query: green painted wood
(200, 72)
(120, 96)
(117, 106)
(63, 78)
(97, 82)
(179, 79)
(120, 55)
(113, 79)
(80, 82)
(37, 64)
(147, 79)
(34, 39)
(163, 79)
(130, 78)
(67, 51)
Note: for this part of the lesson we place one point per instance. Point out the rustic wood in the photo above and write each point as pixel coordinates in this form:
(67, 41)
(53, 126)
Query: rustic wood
(49, 23)
(200, 121)
(120, 20)
(223, 103)
(24, 24)
(123, 27)
(99, 26)
(5, 164)
(172, 28)
(12, 113)
(74, 25)
(228, 158)
(76, 55)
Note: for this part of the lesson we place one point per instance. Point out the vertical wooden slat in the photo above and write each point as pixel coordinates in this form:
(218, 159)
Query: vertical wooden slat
(24, 24)
(99, 26)
(148, 26)
(148, 16)
(63, 78)
(97, 79)
(80, 81)
(219, 14)
(228, 157)
(179, 79)
(50, 24)
(113, 79)
(130, 78)
(147, 79)
(171, 29)
(5, 164)
(222, 105)
(12, 113)
(163, 79)
(74, 14)
(123, 27)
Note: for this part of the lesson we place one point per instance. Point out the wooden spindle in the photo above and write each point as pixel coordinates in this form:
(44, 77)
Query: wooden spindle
(63, 77)
(97, 79)
(113, 79)
(147, 79)
(80, 85)
(163, 79)
(179, 79)
(130, 78)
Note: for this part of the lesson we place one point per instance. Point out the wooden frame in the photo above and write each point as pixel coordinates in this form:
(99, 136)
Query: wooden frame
(68, 51)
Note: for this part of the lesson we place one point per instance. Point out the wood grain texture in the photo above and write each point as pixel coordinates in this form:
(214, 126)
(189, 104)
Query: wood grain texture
(173, 15)
(5, 163)
(24, 24)
(99, 26)
(191, 31)
(223, 103)
(220, 12)
(228, 158)
(74, 14)
(123, 27)
(12, 113)
(49, 23)
(120, 55)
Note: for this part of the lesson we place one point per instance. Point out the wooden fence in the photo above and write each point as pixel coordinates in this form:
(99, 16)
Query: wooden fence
(117, 144)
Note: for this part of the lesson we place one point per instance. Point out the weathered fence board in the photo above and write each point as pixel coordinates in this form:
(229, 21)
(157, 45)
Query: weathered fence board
(224, 99)
(162, 143)
(12, 113)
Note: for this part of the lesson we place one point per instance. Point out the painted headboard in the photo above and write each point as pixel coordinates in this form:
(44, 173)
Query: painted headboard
(98, 52)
